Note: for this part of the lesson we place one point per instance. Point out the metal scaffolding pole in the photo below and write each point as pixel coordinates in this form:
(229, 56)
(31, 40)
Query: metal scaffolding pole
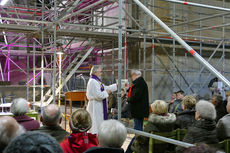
(55, 56)
(34, 89)
(184, 44)
(144, 53)
(200, 75)
(205, 28)
(174, 48)
(119, 58)
(125, 49)
(42, 56)
(1, 72)
(199, 5)
(27, 67)
(102, 54)
(208, 78)
(175, 67)
(113, 66)
(203, 67)
(195, 20)
(8, 63)
(160, 138)
(153, 57)
(139, 55)
(223, 46)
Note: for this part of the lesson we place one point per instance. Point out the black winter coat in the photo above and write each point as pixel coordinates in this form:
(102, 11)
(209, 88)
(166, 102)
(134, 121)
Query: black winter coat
(104, 150)
(220, 112)
(139, 100)
(202, 131)
(185, 119)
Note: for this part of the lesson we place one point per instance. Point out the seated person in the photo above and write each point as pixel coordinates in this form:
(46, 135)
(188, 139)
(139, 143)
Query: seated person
(79, 140)
(217, 101)
(33, 142)
(159, 121)
(112, 101)
(177, 104)
(223, 126)
(125, 108)
(9, 129)
(170, 102)
(51, 117)
(201, 148)
(111, 135)
(204, 128)
(186, 118)
(19, 107)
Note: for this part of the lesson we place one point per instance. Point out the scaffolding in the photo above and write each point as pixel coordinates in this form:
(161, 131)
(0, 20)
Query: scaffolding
(119, 35)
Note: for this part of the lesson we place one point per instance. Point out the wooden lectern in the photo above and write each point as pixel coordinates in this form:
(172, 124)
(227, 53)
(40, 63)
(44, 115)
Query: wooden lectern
(77, 96)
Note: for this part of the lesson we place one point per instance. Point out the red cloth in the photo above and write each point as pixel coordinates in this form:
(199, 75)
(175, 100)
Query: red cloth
(79, 142)
(27, 122)
(130, 90)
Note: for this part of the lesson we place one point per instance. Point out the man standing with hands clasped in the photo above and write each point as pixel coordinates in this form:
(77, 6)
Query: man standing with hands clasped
(97, 93)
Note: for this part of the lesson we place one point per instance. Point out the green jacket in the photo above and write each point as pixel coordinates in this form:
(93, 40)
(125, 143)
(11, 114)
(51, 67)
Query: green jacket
(55, 131)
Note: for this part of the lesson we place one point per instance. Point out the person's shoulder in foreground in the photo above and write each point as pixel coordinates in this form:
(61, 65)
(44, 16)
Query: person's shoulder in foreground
(33, 142)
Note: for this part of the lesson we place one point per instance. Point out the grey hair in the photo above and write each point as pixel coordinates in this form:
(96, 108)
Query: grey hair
(19, 106)
(95, 69)
(206, 110)
(137, 72)
(6, 137)
(51, 117)
(112, 133)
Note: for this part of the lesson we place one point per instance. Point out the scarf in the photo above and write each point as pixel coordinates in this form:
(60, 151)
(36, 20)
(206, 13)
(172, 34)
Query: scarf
(104, 100)
(130, 90)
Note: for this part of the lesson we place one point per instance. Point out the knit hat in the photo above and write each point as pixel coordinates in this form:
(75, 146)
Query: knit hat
(33, 142)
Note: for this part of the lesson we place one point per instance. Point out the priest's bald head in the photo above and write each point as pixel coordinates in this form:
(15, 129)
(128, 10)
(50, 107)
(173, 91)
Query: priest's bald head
(9, 129)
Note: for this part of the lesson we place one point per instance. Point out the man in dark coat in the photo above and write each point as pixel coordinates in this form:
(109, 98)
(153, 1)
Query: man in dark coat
(51, 118)
(138, 98)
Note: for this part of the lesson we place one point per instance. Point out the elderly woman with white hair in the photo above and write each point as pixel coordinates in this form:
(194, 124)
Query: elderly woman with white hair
(97, 94)
(19, 108)
(111, 136)
(204, 129)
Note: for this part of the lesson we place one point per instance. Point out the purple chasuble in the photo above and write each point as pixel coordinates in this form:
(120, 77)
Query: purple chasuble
(104, 100)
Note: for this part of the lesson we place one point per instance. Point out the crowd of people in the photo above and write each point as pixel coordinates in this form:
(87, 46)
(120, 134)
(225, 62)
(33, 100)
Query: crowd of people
(95, 129)
(22, 137)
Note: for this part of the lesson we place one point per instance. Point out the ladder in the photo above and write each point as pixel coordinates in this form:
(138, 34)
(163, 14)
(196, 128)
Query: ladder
(71, 72)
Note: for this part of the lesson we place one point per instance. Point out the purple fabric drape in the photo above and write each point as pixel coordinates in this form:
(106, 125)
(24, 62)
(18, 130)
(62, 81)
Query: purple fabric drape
(104, 100)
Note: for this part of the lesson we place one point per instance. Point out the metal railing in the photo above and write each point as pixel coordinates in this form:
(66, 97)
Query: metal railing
(161, 138)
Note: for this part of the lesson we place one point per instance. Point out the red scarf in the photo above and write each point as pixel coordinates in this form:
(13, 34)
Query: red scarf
(130, 90)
